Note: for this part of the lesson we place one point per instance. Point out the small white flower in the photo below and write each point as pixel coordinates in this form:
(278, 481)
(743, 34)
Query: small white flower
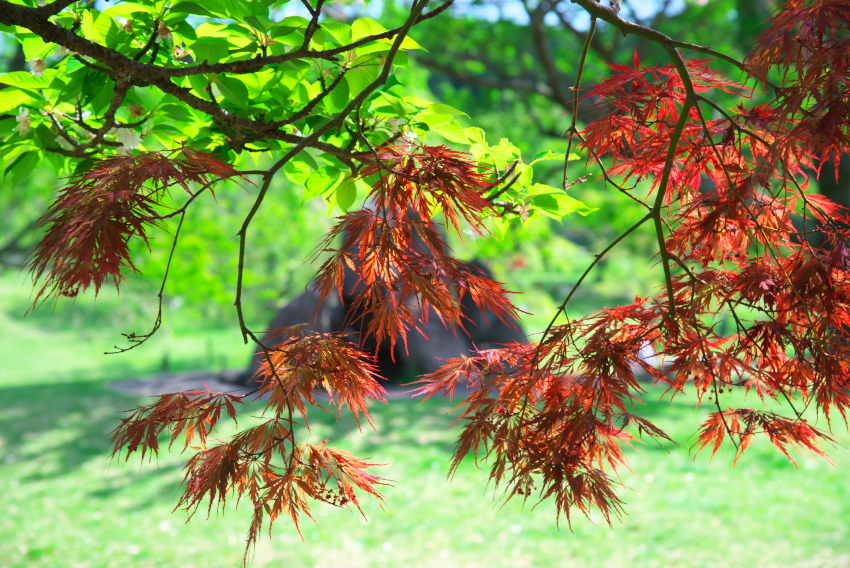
(24, 121)
(163, 32)
(129, 139)
(136, 110)
(126, 25)
(396, 124)
(409, 137)
(63, 143)
(37, 66)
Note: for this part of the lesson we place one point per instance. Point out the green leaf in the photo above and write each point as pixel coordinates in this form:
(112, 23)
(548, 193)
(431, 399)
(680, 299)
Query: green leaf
(125, 9)
(185, 30)
(406, 43)
(260, 22)
(214, 29)
(452, 132)
(11, 99)
(16, 161)
(298, 169)
(524, 174)
(35, 47)
(365, 27)
(290, 23)
(238, 9)
(318, 40)
(476, 135)
(175, 112)
(346, 194)
(21, 168)
(392, 105)
(440, 108)
(340, 31)
(210, 49)
(547, 155)
(321, 181)
(240, 36)
(541, 189)
(555, 202)
(100, 28)
(199, 84)
(546, 201)
(418, 102)
(10, 152)
(360, 77)
(433, 120)
(26, 80)
(234, 90)
(504, 153)
(337, 99)
(190, 8)
(233, 9)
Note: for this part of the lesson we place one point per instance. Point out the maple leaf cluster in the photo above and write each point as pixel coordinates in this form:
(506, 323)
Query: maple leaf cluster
(266, 464)
(404, 269)
(753, 300)
(807, 44)
(89, 225)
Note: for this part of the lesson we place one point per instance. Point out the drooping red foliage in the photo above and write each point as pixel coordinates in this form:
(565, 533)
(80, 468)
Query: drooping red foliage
(420, 181)
(752, 301)
(807, 44)
(402, 262)
(301, 366)
(265, 463)
(89, 226)
(189, 413)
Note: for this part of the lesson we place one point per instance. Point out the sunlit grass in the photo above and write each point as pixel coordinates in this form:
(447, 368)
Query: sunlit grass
(67, 505)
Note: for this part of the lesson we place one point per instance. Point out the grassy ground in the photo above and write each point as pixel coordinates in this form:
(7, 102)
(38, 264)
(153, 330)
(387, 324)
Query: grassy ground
(66, 505)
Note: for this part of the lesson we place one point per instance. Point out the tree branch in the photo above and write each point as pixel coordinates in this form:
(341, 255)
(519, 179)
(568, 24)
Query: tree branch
(32, 19)
(541, 43)
(137, 73)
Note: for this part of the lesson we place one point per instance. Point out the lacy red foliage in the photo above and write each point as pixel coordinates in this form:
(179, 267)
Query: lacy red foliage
(753, 302)
(302, 365)
(419, 181)
(403, 266)
(193, 413)
(808, 45)
(88, 227)
(266, 464)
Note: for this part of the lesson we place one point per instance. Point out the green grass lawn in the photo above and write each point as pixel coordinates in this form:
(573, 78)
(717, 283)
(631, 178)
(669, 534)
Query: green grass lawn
(65, 504)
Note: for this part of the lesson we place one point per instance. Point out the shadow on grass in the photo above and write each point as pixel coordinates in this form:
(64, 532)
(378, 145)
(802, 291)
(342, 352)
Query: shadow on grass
(52, 430)
(401, 421)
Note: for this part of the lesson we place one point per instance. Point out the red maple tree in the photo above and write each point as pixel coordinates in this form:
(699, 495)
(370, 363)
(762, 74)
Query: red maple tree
(732, 212)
